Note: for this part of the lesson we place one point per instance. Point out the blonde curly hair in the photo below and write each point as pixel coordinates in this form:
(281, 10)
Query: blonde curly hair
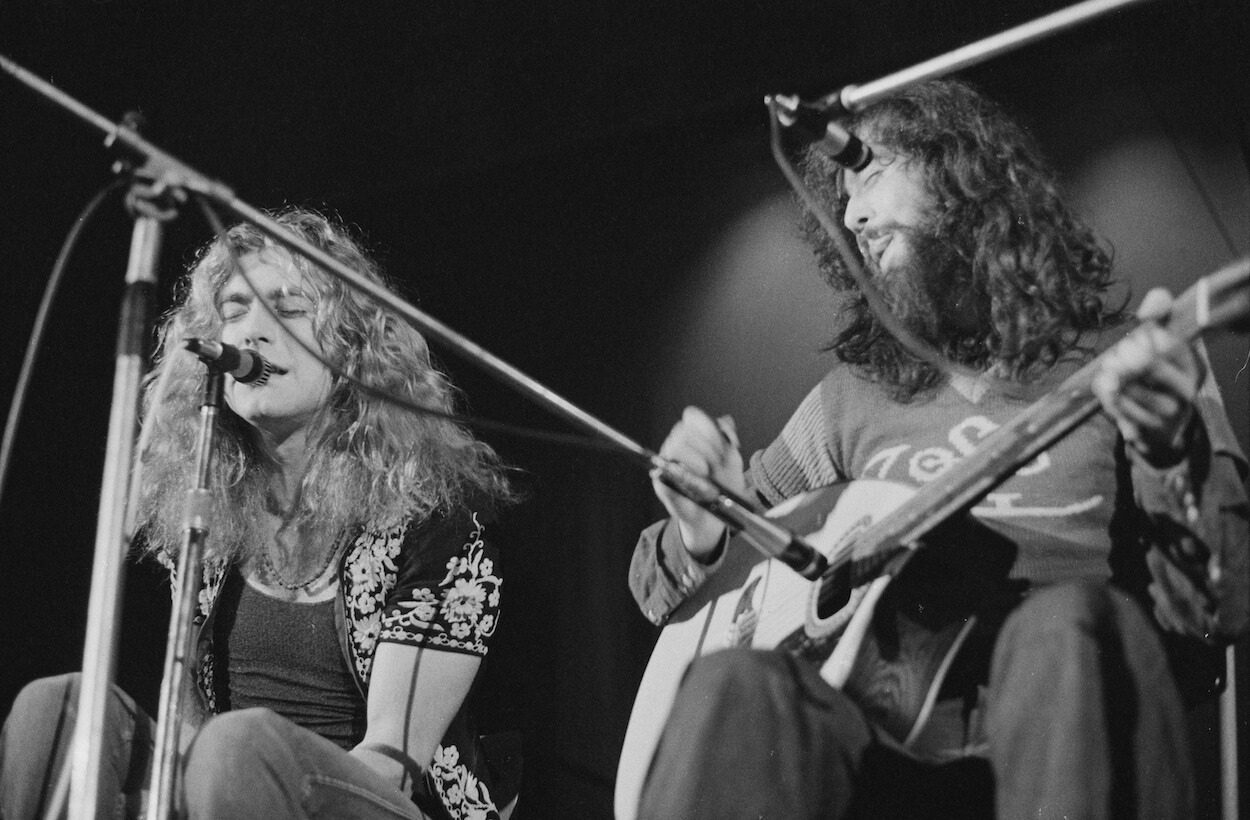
(373, 463)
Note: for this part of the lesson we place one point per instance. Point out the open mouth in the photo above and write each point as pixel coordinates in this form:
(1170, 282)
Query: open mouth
(271, 370)
(872, 247)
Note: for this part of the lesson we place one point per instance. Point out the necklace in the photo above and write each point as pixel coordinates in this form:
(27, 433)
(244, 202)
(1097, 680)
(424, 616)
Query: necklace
(293, 586)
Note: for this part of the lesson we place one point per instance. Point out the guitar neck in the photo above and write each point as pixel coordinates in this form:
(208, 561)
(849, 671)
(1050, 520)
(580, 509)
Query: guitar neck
(1218, 300)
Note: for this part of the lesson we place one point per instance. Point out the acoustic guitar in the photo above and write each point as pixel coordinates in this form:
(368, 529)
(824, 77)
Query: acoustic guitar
(946, 601)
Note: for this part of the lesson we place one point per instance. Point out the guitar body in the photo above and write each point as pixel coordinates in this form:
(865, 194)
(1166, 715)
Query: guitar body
(888, 648)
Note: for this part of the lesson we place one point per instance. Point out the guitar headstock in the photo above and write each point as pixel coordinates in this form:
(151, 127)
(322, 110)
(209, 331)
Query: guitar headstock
(1218, 300)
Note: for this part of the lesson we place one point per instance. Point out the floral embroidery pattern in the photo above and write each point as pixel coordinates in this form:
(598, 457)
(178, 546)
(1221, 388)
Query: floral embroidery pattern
(213, 581)
(458, 788)
(460, 614)
(204, 677)
(371, 575)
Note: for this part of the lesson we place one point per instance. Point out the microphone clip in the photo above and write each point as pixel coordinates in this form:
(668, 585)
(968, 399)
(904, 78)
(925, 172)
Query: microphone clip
(818, 124)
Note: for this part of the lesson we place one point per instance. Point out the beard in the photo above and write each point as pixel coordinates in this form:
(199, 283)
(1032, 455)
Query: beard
(929, 290)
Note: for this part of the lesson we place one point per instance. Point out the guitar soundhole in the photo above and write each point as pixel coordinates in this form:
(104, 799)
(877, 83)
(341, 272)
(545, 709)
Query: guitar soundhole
(835, 592)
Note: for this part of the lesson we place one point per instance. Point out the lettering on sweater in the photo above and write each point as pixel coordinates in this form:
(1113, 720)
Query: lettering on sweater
(925, 464)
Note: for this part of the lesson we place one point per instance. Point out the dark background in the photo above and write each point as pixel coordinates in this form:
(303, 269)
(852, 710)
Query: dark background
(585, 190)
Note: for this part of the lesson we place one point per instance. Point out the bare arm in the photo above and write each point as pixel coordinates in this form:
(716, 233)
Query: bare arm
(414, 693)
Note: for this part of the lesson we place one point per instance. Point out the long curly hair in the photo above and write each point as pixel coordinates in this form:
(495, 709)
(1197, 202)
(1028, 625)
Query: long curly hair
(373, 463)
(1037, 274)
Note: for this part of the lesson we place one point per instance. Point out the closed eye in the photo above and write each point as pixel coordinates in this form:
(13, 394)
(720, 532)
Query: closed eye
(294, 306)
(232, 310)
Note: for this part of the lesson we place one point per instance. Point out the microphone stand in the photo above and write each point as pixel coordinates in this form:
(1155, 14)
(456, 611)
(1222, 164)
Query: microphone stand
(112, 540)
(852, 98)
(197, 519)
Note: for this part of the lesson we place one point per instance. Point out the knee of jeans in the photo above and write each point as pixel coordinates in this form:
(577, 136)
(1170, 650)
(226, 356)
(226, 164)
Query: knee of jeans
(230, 742)
(1062, 609)
(757, 676)
(47, 696)
(733, 668)
(40, 709)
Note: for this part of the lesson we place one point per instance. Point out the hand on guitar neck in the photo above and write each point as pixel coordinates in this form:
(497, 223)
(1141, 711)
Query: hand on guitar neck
(1148, 383)
(708, 447)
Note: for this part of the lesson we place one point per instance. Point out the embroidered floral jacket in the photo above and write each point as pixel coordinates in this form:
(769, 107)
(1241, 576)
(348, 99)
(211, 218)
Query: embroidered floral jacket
(432, 583)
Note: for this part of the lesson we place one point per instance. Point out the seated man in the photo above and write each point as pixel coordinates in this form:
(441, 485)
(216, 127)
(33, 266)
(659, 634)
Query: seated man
(351, 587)
(1130, 534)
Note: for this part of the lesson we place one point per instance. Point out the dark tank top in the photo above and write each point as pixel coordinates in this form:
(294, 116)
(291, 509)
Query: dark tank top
(285, 657)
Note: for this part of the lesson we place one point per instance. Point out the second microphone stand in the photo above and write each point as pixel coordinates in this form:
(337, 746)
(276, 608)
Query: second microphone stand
(197, 519)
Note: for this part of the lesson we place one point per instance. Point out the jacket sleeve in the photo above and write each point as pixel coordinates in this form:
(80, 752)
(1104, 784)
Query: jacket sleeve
(1199, 530)
(447, 594)
(662, 574)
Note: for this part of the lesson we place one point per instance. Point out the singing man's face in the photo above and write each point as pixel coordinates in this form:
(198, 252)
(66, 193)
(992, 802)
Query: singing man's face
(299, 384)
(887, 205)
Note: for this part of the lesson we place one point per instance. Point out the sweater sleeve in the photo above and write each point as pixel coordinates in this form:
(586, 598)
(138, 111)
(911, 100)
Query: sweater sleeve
(800, 459)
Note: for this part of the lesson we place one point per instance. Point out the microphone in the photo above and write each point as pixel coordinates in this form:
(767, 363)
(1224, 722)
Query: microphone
(818, 124)
(242, 365)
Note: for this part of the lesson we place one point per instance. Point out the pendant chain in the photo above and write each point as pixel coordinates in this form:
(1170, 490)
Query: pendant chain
(285, 584)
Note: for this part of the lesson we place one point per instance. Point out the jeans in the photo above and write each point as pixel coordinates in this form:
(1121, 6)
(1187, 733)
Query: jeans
(1084, 719)
(240, 765)
(1080, 718)
(36, 741)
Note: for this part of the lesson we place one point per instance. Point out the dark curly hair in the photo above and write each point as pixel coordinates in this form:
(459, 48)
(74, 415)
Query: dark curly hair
(1038, 275)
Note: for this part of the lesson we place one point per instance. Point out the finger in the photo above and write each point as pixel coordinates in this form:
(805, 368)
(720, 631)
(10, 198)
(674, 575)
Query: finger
(1151, 429)
(1133, 356)
(698, 420)
(684, 433)
(1152, 355)
(1129, 430)
(1151, 400)
(679, 506)
(712, 440)
(1168, 347)
(1105, 386)
(1168, 381)
(1156, 304)
(695, 449)
(1158, 359)
(1145, 410)
(729, 428)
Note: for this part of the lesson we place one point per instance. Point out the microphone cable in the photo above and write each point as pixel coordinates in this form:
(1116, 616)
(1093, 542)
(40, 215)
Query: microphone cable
(18, 401)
